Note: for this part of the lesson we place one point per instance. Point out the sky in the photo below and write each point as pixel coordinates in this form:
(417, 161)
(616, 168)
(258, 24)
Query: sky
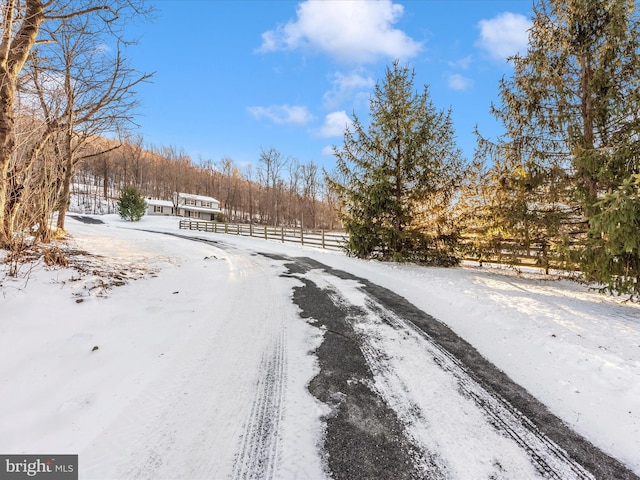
(233, 78)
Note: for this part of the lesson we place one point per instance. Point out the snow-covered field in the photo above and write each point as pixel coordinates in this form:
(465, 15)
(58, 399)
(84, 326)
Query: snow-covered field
(173, 384)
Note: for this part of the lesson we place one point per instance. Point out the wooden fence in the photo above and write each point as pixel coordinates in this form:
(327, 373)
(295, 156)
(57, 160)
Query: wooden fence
(313, 238)
(511, 252)
(503, 251)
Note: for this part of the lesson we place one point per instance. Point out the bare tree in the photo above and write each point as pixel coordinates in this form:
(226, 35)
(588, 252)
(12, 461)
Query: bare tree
(250, 184)
(293, 207)
(88, 91)
(228, 192)
(26, 24)
(271, 163)
(309, 174)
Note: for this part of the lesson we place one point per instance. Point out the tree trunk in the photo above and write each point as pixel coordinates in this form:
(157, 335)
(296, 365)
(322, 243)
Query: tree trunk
(588, 136)
(65, 196)
(14, 51)
(15, 191)
(69, 161)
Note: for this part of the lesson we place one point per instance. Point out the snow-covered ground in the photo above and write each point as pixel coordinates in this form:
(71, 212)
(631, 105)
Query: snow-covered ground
(174, 383)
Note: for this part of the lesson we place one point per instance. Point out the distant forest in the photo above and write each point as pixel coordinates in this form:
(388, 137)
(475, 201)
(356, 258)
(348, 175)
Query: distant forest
(278, 191)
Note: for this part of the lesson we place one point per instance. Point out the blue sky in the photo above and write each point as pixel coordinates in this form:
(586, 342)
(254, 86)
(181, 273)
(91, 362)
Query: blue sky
(233, 77)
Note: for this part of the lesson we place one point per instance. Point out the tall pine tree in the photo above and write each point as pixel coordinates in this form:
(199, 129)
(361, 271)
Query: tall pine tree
(571, 112)
(618, 221)
(396, 180)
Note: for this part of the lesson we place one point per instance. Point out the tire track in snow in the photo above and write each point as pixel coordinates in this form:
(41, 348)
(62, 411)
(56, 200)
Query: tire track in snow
(550, 459)
(552, 449)
(363, 437)
(211, 400)
(258, 455)
(258, 450)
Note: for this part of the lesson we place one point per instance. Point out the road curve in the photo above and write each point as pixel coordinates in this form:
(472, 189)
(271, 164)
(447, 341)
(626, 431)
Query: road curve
(460, 417)
(381, 426)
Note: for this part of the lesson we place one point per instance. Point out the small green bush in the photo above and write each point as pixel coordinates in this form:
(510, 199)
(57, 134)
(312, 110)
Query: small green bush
(131, 204)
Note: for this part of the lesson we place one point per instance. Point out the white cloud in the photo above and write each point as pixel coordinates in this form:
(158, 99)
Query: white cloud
(102, 48)
(504, 35)
(283, 114)
(358, 30)
(334, 125)
(458, 82)
(327, 151)
(346, 87)
(463, 63)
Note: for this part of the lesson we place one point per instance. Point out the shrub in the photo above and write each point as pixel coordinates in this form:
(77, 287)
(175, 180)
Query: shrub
(131, 204)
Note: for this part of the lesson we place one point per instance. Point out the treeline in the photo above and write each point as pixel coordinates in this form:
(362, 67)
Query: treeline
(64, 81)
(278, 190)
(65, 85)
(563, 179)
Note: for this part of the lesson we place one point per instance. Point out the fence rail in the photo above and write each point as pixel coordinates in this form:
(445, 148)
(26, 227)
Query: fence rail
(504, 252)
(314, 238)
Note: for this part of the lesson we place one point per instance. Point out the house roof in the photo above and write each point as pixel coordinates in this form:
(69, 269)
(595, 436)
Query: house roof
(159, 203)
(197, 197)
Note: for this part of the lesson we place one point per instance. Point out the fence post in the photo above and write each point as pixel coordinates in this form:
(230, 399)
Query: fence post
(250, 229)
(282, 233)
(238, 229)
(323, 238)
(226, 227)
(265, 233)
(301, 235)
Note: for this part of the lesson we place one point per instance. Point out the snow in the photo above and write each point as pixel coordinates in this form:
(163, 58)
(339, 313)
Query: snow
(175, 383)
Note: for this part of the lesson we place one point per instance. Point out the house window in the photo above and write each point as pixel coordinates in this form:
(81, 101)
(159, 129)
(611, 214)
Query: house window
(157, 209)
(190, 201)
(206, 204)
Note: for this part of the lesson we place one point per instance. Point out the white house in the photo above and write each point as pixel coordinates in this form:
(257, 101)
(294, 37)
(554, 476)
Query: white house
(159, 207)
(185, 205)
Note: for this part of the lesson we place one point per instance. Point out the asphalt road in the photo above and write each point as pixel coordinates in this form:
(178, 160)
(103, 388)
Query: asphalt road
(370, 432)
(364, 436)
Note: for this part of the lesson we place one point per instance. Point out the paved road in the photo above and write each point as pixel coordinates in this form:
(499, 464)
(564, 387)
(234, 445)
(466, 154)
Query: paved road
(367, 439)
(88, 220)
(406, 397)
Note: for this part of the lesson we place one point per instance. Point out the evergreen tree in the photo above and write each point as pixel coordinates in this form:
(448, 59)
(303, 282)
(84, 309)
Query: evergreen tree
(570, 112)
(618, 220)
(526, 205)
(131, 204)
(396, 181)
